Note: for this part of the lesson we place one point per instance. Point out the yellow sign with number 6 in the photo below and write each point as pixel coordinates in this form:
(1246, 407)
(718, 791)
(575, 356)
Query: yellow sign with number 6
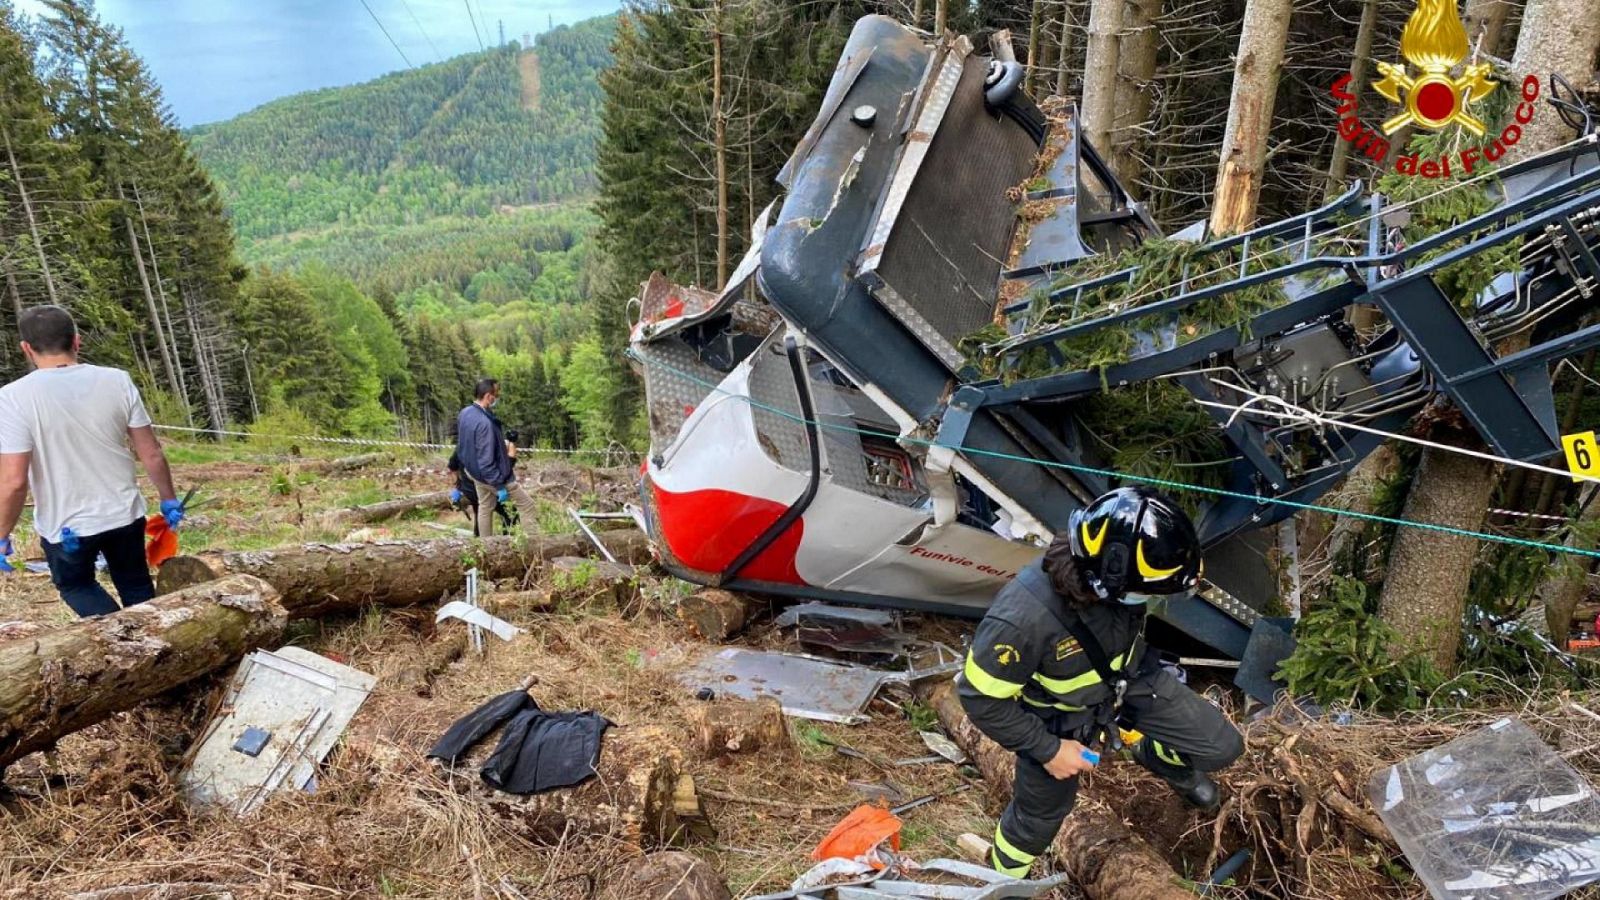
(1583, 455)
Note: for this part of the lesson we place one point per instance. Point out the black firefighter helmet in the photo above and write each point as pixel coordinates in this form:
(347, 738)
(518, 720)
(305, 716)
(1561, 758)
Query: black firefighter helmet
(1133, 544)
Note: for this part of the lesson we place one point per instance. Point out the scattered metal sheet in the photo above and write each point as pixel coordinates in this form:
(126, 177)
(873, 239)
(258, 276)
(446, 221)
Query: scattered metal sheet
(582, 517)
(861, 632)
(943, 746)
(478, 617)
(303, 701)
(1271, 642)
(807, 687)
(1493, 814)
(940, 879)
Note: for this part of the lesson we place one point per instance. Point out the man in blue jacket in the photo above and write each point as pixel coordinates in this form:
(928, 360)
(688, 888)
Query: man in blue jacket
(486, 456)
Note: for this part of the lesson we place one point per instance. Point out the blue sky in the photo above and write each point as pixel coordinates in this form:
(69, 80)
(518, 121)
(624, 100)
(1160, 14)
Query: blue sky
(218, 58)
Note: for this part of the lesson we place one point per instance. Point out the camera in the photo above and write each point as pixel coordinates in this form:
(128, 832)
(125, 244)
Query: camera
(513, 435)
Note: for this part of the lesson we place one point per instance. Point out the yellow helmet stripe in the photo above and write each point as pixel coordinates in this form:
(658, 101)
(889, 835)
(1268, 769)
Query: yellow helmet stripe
(1092, 543)
(1146, 569)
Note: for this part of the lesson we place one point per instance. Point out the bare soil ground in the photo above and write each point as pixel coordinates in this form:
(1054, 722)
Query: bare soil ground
(101, 810)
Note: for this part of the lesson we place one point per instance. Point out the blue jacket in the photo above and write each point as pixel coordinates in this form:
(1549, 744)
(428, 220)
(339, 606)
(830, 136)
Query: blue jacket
(481, 445)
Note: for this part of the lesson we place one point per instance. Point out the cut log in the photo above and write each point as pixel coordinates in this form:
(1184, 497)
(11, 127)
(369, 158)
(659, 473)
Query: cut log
(739, 726)
(667, 875)
(180, 572)
(59, 681)
(713, 614)
(1107, 861)
(388, 509)
(633, 800)
(318, 579)
(418, 677)
(502, 602)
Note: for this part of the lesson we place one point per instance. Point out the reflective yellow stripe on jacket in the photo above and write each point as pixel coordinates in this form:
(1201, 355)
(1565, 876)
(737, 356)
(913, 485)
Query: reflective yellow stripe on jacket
(1063, 687)
(987, 684)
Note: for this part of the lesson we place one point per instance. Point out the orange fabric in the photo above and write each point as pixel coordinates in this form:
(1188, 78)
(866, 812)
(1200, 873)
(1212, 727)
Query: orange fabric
(163, 544)
(859, 833)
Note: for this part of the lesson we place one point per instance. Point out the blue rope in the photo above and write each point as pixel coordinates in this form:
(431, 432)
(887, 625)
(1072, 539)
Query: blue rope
(1125, 476)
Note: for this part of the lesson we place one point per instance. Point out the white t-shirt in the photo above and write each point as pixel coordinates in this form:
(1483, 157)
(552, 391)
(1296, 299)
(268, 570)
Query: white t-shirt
(75, 421)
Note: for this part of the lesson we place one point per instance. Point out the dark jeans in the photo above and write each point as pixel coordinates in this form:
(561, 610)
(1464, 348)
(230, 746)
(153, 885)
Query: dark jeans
(73, 573)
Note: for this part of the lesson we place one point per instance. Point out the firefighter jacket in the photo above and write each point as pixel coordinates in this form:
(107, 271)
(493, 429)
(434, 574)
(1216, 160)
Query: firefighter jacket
(1024, 668)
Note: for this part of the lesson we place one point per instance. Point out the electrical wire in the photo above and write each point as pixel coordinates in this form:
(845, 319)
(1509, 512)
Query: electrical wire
(425, 36)
(387, 35)
(474, 20)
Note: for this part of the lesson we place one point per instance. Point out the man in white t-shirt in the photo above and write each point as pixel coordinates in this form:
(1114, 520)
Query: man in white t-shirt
(65, 432)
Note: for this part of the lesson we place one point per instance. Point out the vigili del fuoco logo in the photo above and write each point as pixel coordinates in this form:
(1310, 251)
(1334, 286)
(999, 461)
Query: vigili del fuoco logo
(1434, 44)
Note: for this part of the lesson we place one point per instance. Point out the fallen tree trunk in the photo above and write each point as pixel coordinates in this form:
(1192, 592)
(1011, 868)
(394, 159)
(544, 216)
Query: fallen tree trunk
(1107, 861)
(59, 681)
(739, 726)
(634, 799)
(350, 463)
(388, 509)
(319, 579)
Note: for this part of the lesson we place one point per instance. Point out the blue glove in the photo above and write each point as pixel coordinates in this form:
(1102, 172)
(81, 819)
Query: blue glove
(5, 552)
(172, 511)
(503, 496)
(455, 496)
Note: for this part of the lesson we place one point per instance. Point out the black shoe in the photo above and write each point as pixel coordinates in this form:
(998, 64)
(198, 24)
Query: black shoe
(1195, 787)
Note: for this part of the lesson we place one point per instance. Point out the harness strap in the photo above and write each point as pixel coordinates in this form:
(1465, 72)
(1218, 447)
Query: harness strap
(1106, 711)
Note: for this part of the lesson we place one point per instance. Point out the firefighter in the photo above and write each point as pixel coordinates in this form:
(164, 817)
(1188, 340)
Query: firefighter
(1058, 666)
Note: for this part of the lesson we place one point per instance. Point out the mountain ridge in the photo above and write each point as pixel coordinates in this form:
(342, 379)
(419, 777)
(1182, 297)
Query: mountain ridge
(454, 138)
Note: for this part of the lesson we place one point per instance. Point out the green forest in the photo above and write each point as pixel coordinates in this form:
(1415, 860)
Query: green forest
(465, 137)
(441, 233)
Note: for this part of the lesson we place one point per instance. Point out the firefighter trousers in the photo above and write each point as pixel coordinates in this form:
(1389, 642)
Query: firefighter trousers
(1185, 732)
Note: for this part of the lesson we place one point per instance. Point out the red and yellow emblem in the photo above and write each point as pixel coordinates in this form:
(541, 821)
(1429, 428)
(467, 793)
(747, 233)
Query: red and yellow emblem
(1435, 42)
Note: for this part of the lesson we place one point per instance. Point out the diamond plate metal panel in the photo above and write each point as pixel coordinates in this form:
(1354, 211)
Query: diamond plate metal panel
(782, 436)
(941, 262)
(669, 396)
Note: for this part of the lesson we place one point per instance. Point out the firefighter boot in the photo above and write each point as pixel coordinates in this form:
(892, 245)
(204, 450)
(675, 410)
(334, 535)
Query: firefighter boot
(1194, 786)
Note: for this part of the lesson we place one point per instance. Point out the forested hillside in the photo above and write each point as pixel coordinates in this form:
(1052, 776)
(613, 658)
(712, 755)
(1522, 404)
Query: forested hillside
(462, 137)
(419, 249)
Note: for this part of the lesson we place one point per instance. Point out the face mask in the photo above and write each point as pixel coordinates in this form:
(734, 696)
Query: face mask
(493, 403)
(1134, 599)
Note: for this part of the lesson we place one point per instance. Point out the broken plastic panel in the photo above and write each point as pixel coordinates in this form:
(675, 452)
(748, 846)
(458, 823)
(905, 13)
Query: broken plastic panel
(1494, 815)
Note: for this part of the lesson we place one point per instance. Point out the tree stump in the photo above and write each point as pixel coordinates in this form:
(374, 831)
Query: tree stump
(739, 726)
(68, 678)
(579, 581)
(667, 875)
(715, 615)
(634, 799)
